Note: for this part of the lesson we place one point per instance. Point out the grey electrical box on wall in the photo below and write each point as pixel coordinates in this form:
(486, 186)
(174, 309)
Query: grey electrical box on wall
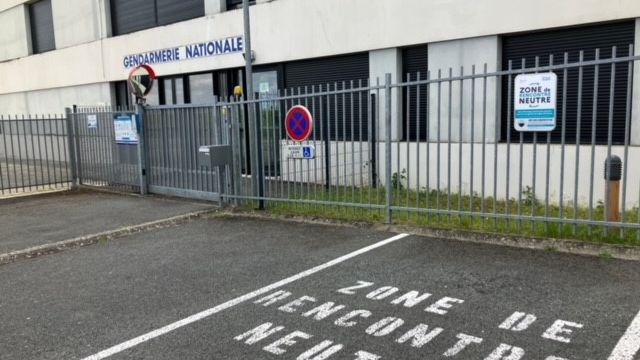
(214, 155)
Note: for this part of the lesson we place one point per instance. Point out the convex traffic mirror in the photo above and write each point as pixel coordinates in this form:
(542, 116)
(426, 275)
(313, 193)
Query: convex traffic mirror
(141, 80)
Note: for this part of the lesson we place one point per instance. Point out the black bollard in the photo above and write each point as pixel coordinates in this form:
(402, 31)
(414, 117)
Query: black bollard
(613, 174)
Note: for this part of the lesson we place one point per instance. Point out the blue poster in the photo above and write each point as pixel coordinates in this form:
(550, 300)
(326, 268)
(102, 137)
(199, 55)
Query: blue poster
(124, 126)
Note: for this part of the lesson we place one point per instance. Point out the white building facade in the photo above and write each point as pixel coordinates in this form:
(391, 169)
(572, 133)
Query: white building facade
(57, 53)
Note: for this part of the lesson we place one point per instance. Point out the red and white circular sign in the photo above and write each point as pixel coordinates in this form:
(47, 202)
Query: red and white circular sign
(141, 80)
(298, 123)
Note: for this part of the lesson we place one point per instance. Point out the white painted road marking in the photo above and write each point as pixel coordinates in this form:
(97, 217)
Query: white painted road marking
(629, 344)
(203, 314)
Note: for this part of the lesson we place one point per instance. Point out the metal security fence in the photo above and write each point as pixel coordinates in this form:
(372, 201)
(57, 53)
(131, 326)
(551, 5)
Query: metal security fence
(549, 183)
(33, 154)
(343, 139)
(432, 149)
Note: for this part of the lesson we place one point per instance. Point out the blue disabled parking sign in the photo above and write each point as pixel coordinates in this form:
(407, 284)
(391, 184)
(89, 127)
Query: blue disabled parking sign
(300, 151)
(307, 152)
(535, 102)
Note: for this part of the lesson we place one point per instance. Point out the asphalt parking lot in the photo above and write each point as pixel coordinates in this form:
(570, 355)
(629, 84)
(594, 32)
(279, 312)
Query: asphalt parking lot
(240, 288)
(37, 220)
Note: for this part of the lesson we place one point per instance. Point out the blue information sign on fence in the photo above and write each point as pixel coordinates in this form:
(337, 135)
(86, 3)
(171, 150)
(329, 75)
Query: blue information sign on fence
(535, 102)
(125, 129)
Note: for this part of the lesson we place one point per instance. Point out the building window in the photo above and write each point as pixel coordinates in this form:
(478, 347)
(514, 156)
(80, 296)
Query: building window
(124, 98)
(344, 116)
(42, 34)
(172, 91)
(541, 44)
(237, 4)
(201, 88)
(134, 15)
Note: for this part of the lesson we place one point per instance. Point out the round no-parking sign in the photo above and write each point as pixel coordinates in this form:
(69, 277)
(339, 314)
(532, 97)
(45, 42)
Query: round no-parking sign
(298, 123)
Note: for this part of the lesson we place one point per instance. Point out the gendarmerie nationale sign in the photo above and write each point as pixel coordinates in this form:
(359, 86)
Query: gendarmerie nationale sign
(230, 45)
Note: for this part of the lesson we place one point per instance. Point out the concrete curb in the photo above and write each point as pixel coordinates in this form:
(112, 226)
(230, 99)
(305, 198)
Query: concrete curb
(575, 247)
(91, 239)
(553, 245)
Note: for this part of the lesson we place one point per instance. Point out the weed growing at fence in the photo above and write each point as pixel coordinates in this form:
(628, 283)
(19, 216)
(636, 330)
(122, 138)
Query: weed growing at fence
(525, 215)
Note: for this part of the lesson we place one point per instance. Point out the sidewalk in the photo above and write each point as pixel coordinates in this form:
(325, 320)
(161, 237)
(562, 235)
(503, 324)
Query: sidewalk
(37, 220)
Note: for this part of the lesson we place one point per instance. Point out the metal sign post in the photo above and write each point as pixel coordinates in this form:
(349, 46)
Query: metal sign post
(254, 121)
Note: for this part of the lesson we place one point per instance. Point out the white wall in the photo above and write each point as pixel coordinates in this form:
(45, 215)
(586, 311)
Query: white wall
(78, 21)
(214, 6)
(334, 27)
(417, 173)
(464, 57)
(14, 34)
(421, 171)
(8, 4)
(54, 101)
(381, 63)
(348, 164)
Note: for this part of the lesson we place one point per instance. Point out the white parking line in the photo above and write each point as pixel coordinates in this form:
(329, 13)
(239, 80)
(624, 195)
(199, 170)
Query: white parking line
(629, 344)
(203, 314)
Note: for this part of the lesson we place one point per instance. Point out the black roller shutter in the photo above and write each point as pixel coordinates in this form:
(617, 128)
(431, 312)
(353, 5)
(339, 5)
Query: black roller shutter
(42, 34)
(171, 11)
(338, 72)
(415, 62)
(572, 40)
(236, 4)
(132, 15)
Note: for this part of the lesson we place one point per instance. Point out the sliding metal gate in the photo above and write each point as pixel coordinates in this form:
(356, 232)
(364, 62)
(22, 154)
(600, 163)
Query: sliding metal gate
(172, 136)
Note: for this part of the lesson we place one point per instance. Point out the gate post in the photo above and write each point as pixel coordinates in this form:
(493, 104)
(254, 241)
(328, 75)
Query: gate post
(142, 154)
(78, 143)
(219, 123)
(255, 149)
(227, 138)
(387, 146)
(227, 111)
(71, 144)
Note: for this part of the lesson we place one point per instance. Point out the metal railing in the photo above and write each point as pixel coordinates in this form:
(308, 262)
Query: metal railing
(101, 161)
(33, 154)
(447, 160)
(436, 149)
(173, 135)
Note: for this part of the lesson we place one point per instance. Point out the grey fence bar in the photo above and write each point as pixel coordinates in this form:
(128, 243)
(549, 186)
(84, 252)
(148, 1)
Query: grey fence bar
(34, 154)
